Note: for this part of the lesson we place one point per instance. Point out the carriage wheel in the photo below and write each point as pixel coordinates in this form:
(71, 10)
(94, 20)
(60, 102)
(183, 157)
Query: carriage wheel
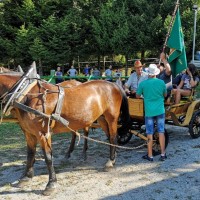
(125, 138)
(156, 144)
(194, 125)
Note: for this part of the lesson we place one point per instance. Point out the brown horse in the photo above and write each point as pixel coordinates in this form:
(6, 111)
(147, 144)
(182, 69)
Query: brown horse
(81, 106)
(72, 83)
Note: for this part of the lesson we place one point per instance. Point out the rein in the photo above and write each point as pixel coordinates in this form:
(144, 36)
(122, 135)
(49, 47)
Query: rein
(114, 145)
(101, 142)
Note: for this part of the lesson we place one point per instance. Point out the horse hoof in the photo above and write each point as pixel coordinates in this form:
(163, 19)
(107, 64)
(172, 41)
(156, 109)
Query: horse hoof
(67, 156)
(84, 157)
(50, 189)
(110, 163)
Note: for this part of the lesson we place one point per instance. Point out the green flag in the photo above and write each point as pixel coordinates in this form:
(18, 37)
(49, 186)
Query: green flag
(177, 56)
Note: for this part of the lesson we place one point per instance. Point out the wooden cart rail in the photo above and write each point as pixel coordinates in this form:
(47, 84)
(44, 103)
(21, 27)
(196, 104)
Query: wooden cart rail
(173, 112)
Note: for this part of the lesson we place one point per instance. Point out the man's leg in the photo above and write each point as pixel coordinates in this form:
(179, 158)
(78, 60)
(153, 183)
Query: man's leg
(162, 143)
(149, 123)
(161, 130)
(149, 145)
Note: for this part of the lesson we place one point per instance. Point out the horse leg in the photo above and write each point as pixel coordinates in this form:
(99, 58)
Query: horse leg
(31, 151)
(71, 147)
(111, 132)
(113, 142)
(47, 150)
(104, 125)
(73, 139)
(85, 147)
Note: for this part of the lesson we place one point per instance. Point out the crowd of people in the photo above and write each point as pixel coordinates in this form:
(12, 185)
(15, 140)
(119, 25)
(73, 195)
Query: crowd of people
(181, 85)
(88, 71)
(155, 85)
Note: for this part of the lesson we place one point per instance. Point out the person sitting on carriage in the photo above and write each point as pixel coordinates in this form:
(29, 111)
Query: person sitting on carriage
(189, 81)
(177, 79)
(135, 79)
(165, 73)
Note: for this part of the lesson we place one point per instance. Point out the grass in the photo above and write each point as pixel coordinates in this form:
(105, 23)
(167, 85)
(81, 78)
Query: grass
(11, 136)
(12, 142)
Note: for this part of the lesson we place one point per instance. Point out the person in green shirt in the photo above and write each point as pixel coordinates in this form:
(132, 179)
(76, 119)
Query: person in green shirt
(153, 90)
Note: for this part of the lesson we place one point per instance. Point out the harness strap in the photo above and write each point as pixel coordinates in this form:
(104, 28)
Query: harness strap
(58, 110)
(20, 96)
(60, 101)
(29, 109)
(21, 84)
(36, 112)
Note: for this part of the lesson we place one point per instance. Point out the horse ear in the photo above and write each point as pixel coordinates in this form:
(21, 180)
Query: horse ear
(34, 70)
(19, 68)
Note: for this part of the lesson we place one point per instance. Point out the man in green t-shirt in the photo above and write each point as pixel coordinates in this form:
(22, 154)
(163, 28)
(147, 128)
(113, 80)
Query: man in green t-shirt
(153, 91)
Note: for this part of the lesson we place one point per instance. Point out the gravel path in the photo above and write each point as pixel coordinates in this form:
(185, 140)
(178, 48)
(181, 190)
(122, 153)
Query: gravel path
(132, 178)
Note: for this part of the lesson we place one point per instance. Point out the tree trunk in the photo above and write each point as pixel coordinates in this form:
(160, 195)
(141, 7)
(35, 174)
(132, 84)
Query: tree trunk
(99, 65)
(104, 63)
(126, 68)
(40, 68)
(142, 56)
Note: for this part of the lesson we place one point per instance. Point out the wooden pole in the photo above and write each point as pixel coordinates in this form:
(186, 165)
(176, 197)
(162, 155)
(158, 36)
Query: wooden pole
(170, 25)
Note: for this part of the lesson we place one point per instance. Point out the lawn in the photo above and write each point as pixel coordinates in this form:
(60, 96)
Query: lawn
(13, 143)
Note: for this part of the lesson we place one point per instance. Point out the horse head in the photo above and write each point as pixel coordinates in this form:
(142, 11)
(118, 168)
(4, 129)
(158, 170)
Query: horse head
(10, 79)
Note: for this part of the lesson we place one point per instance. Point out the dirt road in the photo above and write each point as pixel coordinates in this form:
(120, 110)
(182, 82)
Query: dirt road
(132, 178)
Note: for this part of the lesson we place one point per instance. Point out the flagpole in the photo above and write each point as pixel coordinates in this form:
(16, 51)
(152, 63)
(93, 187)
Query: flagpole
(170, 25)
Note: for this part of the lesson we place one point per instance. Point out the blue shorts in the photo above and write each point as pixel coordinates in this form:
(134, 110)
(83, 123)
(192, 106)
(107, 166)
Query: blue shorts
(160, 124)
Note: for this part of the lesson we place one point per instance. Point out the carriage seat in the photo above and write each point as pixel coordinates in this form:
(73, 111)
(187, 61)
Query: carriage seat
(191, 97)
(184, 99)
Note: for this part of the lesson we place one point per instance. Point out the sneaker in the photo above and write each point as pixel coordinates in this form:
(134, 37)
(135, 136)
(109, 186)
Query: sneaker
(147, 157)
(163, 158)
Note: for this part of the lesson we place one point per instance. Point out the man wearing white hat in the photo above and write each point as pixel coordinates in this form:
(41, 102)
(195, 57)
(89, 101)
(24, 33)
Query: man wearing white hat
(153, 90)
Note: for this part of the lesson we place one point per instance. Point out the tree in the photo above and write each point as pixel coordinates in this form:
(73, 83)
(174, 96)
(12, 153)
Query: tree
(59, 31)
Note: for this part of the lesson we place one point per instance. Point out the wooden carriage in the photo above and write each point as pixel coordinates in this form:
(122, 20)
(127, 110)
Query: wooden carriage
(185, 114)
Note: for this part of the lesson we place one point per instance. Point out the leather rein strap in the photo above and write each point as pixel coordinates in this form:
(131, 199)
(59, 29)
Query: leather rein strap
(56, 116)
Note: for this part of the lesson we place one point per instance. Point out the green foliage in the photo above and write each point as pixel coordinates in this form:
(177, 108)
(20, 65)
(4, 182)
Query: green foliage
(59, 31)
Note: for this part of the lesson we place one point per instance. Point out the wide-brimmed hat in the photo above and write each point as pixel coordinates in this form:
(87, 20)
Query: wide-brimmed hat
(153, 70)
(137, 64)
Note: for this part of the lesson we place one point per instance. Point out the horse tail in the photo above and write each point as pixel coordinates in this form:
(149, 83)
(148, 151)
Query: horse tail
(125, 118)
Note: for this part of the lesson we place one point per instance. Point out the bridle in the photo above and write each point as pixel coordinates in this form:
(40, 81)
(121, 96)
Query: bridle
(15, 91)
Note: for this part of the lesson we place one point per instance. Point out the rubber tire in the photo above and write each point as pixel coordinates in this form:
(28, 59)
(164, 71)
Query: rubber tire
(195, 124)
